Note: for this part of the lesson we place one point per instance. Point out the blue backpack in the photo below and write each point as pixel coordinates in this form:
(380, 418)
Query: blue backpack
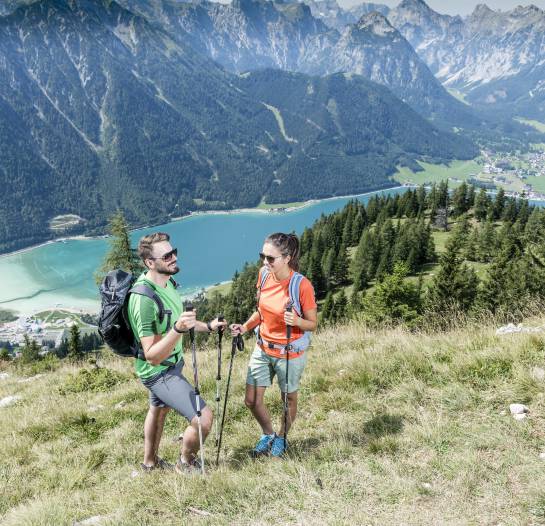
(294, 289)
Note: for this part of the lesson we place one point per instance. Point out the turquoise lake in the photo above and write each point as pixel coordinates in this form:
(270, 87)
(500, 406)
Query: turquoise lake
(211, 247)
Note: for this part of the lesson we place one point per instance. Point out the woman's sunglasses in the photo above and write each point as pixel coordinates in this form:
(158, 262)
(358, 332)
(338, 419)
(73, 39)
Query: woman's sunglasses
(167, 256)
(270, 259)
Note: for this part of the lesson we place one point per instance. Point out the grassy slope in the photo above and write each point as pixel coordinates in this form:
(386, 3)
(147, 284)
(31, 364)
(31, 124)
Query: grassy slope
(394, 428)
(435, 173)
(539, 126)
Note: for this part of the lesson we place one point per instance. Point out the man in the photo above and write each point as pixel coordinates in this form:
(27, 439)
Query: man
(161, 371)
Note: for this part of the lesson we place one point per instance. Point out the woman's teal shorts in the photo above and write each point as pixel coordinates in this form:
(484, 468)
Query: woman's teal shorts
(263, 368)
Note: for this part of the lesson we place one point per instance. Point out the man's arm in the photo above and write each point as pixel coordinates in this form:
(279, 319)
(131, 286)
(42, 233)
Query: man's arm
(202, 326)
(158, 348)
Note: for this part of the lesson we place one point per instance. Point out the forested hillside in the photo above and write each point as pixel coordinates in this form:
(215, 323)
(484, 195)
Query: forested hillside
(420, 259)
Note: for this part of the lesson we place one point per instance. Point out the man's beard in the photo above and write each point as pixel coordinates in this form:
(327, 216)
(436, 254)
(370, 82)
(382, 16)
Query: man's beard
(168, 270)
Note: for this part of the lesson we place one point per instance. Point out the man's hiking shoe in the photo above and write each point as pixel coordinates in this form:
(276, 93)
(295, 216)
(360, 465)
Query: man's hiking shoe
(278, 447)
(160, 464)
(184, 468)
(263, 445)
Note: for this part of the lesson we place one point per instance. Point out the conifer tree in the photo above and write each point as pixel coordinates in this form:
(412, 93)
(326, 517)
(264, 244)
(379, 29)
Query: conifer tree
(421, 199)
(499, 204)
(341, 307)
(75, 350)
(394, 299)
(340, 268)
(328, 265)
(510, 210)
(30, 351)
(460, 203)
(534, 230)
(120, 254)
(470, 196)
(487, 244)
(357, 226)
(355, 305)
(482, 203)
(327, 309)
(455, 284)
(523, 211)
(315, 273)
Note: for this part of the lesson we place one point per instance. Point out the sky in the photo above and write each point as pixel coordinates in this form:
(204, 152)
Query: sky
(457, 7)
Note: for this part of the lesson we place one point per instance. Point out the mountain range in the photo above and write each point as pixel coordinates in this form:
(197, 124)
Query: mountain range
(103, 107)
(496, 59)
(159, 107)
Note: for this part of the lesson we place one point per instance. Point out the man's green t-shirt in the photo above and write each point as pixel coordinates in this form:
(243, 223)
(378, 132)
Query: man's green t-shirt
(144, 320)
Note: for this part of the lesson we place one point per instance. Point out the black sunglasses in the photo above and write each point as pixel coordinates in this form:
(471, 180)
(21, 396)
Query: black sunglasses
(168, 256)
(270, 259)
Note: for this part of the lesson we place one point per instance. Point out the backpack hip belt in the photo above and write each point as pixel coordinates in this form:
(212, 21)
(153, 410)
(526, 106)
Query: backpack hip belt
(284, 349)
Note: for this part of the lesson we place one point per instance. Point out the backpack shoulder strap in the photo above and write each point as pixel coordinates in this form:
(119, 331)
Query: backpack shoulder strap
(264, 275)
(144, 290)
(294, 290)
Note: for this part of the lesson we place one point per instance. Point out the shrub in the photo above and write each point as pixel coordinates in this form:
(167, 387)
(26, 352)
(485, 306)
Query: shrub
(92, 380)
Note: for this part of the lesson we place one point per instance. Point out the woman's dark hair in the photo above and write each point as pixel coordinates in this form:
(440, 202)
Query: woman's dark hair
(288, 245)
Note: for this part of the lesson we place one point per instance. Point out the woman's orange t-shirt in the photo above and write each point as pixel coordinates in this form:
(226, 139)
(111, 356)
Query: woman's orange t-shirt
(272, 305)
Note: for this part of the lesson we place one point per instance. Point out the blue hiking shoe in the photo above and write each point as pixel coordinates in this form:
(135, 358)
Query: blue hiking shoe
(263, 445)
(278, 447)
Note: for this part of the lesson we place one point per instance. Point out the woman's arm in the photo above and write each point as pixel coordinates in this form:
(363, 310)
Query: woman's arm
(308, 323)
(251, 323)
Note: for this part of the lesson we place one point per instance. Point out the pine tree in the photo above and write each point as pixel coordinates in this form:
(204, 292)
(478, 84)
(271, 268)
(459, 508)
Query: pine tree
(75, 350)
(421, 199)
(358, 225)
(341, 307)
(455, 284)
(315, 273)
(470, 196)
(355, 305)
(482, 203)
(460, 204)
(120, 255)
(499, 204)
(30, 351)
(394, 299)
(340, 268)
(327, 309)
(510, 210)
(534, 231)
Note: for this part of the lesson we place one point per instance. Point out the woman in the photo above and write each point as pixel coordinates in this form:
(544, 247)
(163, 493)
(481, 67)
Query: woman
(280, 256)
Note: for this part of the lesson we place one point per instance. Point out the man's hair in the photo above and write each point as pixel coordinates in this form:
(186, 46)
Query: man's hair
(145, 245)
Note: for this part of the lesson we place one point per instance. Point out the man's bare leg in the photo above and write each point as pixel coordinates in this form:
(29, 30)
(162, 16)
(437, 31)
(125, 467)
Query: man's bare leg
(190, 444)
(153, 431)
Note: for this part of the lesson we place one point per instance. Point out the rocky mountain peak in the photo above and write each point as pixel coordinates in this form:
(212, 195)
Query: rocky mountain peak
(482, 9)
(414, 5)
(376, 23)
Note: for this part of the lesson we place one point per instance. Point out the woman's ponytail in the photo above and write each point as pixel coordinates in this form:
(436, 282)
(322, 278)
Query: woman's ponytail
(288, 245)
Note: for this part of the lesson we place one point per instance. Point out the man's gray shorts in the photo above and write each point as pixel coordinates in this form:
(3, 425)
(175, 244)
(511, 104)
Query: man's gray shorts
(171, 389)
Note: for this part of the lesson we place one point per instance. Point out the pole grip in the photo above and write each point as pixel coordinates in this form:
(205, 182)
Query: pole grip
(188, 307)
(289, 308)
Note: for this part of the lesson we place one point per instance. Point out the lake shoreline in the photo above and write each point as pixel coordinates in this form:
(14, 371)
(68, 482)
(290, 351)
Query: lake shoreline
(277, 210)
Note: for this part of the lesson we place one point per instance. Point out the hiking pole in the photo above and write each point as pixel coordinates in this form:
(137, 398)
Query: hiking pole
(218, 380)
(189, 308)
(237, 343)
(289, 307)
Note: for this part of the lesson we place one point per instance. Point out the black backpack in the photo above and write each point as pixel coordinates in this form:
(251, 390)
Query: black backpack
(113, 324)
